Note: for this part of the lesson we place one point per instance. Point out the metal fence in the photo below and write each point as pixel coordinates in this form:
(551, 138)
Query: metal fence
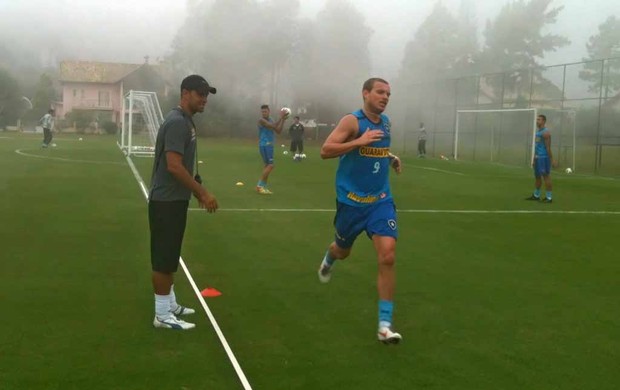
(590, 90)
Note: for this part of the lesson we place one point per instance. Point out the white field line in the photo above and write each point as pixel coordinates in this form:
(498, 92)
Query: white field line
(216, 327)
(22, 153)
(435, 170)
(421, 211)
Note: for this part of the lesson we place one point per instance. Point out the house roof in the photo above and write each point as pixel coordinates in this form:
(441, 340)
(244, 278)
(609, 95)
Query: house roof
(95, 72)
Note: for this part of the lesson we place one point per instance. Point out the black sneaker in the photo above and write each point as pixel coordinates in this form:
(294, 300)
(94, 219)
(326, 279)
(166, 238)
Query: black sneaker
(547, 200)
(533, 198)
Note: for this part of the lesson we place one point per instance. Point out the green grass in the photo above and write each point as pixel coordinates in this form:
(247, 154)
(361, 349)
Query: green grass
(484, 300)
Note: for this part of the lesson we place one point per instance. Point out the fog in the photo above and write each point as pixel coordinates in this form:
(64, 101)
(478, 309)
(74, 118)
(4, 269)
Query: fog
(311, 54)
(110, 30)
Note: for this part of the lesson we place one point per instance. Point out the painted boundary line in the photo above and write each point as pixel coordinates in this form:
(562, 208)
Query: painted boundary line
(22, 153)
(420, 211)
(435, 170)
(216, 327)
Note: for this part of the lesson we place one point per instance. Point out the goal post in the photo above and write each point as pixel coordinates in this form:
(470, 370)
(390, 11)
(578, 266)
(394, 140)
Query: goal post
(505, 136)
(140, 120)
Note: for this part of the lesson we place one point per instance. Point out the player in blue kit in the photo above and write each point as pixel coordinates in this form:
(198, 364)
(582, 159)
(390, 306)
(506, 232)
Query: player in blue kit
(543, 161)
(361, 141)
(267, 130)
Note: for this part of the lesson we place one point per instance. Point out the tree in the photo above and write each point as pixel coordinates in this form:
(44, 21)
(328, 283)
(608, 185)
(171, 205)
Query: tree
(331, 60)
(605, 44)
(515, 40)
(43, 97)
(241, 46)
(443, 47)
(9, 98)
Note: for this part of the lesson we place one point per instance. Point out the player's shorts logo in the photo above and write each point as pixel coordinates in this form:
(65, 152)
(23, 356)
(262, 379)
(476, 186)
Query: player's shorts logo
(392, 224)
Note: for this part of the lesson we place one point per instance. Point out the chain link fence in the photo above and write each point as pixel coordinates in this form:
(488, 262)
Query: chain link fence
(581, 101)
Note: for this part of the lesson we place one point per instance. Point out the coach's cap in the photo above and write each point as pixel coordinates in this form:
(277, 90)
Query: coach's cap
(197, 83)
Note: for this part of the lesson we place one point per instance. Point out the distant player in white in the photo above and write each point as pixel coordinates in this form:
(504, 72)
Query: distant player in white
(47, 121)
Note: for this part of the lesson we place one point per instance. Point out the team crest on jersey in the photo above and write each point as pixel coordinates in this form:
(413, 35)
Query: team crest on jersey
(388, 127)
(392, 224)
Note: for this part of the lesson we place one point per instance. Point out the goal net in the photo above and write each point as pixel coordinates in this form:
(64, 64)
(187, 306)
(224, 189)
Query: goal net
(141, 118)
(498, 136)
(507, 136)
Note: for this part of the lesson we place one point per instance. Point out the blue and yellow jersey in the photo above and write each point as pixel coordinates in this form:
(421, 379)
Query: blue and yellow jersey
(540, 150)
(266, 136)
(362, 178)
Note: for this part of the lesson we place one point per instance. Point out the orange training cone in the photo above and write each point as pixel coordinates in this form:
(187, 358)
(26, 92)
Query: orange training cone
(210, 292)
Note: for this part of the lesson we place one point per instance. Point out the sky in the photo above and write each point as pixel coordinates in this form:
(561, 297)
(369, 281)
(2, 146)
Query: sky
(150, 25)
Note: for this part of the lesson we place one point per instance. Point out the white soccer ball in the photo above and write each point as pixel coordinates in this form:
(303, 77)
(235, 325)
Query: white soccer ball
(287, 111)
(79, 139)
(303, 155)
(568, 170)
(285, 152)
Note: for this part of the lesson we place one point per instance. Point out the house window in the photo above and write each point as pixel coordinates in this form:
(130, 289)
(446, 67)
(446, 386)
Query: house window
(104, 99)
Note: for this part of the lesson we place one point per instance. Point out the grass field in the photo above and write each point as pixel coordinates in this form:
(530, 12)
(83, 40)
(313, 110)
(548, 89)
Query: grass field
(493, 292)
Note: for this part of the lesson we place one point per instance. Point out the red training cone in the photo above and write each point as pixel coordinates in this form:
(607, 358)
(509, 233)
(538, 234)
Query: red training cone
(210, 292)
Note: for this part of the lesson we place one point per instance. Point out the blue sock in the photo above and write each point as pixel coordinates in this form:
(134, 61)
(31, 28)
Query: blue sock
(261, 183)
(549, 195)
(328, 260)
(537, 192)
(385, 313)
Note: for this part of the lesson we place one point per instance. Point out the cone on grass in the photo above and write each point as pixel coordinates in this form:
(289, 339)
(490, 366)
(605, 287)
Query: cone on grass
(210, 292)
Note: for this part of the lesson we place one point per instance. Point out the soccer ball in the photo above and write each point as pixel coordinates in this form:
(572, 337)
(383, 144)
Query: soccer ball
(303, 155)
(285, 152)
(568, 170)
(287, 111)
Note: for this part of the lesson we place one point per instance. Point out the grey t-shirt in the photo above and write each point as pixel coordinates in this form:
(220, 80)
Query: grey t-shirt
(422, 135)
(176, 134)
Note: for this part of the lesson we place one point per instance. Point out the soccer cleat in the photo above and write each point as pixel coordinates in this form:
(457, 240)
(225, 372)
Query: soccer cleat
(386, 336)
(325, 273)
(182, 311)
(263, 191)
(172, 323)
(533, 198)
(547, 200)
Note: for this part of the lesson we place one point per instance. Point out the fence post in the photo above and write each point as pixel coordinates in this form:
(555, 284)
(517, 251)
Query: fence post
(597, 152)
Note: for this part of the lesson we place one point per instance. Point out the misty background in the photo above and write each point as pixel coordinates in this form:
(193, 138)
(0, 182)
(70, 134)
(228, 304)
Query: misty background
(312, 55)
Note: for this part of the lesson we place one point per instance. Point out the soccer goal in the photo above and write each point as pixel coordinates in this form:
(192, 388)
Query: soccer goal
(141, 118)
(506, 136)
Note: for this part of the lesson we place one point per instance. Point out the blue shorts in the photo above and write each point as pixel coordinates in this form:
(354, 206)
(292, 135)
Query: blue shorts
(542, 166)
(378, 219)
(266, 152)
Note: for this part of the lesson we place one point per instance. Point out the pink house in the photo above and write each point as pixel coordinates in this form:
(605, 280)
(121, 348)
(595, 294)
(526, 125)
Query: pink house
(99, 86)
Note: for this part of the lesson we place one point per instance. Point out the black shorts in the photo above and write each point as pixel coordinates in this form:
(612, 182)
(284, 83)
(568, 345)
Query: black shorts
(167, 222)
